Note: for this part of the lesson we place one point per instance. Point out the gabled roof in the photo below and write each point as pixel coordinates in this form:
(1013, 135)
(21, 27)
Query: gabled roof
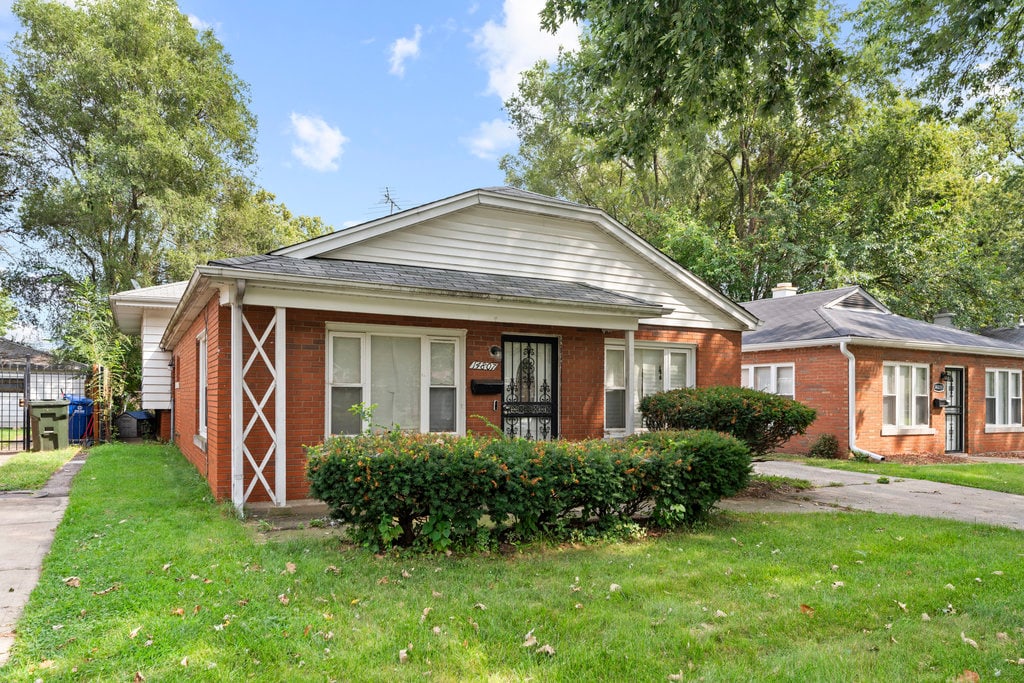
(14, 354)
(128, 306)
(522, 201)
(423, 278)
(851, 314)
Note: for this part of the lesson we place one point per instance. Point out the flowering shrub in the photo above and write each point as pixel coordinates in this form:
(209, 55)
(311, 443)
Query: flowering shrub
(433, 491)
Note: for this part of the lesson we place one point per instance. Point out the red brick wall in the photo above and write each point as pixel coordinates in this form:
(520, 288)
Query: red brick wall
(820, 381)
(821, 374)
(581, 382)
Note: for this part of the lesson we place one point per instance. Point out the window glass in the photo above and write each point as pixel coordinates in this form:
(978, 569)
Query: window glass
(395, 381)
(677, 370)
(745, 378)
(442, 409)
(763, 378)
(614, 368)
(442, 364)
(615, 409)
(342, 399)
(784, 381)
(649, 372)
(347, 369)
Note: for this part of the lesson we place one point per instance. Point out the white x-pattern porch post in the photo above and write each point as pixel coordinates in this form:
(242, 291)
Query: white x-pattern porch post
(243, 396)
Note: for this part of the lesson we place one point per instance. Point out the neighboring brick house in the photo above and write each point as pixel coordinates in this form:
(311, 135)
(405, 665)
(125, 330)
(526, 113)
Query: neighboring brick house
(883, 383)
(497, 307)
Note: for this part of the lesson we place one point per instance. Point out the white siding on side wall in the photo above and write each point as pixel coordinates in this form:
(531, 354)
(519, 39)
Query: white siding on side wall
(486, 239)
(156, 373)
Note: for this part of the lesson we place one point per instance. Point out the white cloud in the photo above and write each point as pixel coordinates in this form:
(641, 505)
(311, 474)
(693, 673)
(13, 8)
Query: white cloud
(404, 49)
(510, 48)
(198, 24)
(319, 144)
(491, 139)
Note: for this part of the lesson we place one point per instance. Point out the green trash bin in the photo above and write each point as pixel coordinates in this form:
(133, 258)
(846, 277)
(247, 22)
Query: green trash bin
(49, 425)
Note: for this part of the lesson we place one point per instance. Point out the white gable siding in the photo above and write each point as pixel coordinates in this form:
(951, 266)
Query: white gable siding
(512, 243)
(156, 373)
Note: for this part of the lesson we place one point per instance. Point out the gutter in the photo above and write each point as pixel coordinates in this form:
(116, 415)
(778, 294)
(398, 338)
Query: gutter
(851, 404)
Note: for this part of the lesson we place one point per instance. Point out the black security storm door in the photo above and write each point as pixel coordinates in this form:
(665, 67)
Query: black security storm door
(954, 410)
(529, 406)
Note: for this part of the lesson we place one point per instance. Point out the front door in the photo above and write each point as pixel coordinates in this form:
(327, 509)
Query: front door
(954, 410)
(529, 406)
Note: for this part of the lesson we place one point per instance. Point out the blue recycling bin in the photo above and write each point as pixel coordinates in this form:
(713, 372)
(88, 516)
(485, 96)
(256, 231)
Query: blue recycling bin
(79, 414)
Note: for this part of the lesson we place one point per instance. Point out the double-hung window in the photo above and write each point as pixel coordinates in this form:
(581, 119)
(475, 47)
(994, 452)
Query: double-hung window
(905, 397)
(201, 382)
(1002, 398)
(410, 378)
(656, 368)
(773, 379)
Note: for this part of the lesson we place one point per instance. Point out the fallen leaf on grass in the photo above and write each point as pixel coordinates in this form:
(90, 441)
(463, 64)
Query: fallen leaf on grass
(547, 649)
(166, 566)
(436, 630)
(480, 606)
(383, 581)
(579, 605)
(426, 613)
(614, 587)
(184, 661)
(719, 613)
(113, 588)
(178, 612)
(968, 676)
(73, 581)
(1019, 662)
(289, 567)
(406, 574)
(332, 569)
(902, 605)
(925, 617)
(138, 674)
(969, 641)
(950, 586)
(283, 599)
(135, 632)
(838, 584)
(195, 610)
(807, 609)
(1003, 637)
(676, 677)
(529, 640)
(436, 594)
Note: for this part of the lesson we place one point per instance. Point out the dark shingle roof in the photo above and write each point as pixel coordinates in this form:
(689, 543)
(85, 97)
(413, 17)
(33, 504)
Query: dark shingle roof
(849, 312)
(1013, 335)
(434, 279)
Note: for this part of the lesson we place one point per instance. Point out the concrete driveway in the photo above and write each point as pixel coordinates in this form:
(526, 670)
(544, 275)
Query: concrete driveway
(839, 490)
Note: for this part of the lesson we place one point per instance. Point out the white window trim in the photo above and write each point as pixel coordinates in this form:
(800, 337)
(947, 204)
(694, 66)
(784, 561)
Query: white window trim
(203, 381)
(1012, 427)
(425, 335)
(907, 430)
(630, 360)
(774, 368)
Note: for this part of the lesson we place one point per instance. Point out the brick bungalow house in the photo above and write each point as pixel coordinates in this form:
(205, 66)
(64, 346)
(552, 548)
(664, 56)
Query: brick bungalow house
(499, 307)
(883, 383)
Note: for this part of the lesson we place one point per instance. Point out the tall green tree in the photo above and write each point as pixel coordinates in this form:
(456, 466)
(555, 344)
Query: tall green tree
(130, 116)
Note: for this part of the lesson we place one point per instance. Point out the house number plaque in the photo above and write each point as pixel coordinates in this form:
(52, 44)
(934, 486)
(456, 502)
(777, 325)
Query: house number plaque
(483, 365)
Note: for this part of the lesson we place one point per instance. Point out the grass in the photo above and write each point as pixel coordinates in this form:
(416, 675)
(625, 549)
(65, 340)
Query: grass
(1005, 477)
(170, 586)
(29, 471)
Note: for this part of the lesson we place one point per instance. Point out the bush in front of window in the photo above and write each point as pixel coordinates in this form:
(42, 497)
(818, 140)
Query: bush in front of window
(761, 420)
(432, 492)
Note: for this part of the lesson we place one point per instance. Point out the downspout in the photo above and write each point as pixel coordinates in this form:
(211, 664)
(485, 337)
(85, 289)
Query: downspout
(851, 404)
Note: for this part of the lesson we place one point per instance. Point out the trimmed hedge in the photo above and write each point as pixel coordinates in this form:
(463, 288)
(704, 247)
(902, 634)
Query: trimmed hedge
(433, 491)
(761, 420)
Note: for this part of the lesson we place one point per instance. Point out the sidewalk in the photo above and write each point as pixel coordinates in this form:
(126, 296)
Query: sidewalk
(840, 490)
(29, 520)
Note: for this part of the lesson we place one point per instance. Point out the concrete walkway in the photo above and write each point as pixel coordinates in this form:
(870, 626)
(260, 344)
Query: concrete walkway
(28, 520)
(839, 490)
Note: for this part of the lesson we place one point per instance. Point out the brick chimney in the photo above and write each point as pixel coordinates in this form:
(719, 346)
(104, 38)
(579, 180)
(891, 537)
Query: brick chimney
(784, 289)
(944, 319)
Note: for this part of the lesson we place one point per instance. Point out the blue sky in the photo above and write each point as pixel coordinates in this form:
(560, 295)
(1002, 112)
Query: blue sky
(355, 97)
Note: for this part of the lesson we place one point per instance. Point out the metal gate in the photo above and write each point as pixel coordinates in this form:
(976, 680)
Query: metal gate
(954, 410)
(529, 408)
(28, 375)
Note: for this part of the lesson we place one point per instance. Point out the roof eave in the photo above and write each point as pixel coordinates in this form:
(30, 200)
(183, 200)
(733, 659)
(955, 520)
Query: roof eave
(906, 344)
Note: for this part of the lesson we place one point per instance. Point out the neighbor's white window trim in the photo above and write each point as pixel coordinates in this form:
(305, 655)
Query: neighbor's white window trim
(748, 372)
(426, 335)
(899, 400)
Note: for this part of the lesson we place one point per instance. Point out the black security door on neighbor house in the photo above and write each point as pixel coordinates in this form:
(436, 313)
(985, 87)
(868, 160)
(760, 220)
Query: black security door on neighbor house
(954, 410)
(529, 406)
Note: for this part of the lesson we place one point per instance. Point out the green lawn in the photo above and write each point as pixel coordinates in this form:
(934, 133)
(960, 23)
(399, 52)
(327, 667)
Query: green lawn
(1005, 477)
(30, 470)
(166, 583)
